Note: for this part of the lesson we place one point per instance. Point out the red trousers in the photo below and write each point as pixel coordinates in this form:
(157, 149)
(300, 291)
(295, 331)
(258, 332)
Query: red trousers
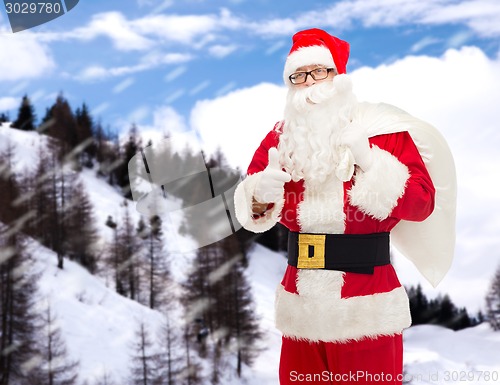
(369, 361)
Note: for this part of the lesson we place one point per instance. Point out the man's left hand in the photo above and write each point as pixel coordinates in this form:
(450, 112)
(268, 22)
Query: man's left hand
(356, 139)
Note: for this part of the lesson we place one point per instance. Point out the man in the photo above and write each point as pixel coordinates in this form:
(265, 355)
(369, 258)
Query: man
(340, 175)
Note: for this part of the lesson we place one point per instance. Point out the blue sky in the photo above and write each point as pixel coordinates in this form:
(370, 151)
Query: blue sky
(127, 58)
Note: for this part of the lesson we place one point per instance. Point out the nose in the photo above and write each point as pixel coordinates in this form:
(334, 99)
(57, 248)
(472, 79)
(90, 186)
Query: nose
(309, 80)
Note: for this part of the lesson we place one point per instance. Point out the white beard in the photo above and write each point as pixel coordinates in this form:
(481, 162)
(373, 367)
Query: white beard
(315, 117)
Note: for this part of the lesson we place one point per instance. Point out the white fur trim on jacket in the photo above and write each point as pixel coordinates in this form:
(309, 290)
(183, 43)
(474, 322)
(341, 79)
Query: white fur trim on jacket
(304, 56)
(318, 313)
(322, 208)
(243, 206)
(377, 190)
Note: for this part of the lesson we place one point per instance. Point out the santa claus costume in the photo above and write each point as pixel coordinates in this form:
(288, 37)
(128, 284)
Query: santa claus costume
(340, 305)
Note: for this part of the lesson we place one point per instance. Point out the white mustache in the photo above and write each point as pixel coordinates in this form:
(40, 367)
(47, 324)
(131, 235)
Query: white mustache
(304, 100)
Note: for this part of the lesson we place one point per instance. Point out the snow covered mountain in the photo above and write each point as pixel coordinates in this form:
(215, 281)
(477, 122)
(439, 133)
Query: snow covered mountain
(98, 324)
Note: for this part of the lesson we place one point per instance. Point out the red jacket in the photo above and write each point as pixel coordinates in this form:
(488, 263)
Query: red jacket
(332, 305)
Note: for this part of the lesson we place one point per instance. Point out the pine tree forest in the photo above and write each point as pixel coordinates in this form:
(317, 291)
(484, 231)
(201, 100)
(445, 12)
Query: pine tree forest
(50, 204)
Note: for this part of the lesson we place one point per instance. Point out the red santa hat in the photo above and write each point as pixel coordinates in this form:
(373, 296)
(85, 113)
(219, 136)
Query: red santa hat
(315, 46)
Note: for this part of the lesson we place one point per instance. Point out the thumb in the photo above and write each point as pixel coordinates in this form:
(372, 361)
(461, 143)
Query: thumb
(274, 159)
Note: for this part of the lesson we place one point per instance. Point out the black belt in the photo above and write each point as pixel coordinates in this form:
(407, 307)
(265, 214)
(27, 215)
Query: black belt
(355, 253)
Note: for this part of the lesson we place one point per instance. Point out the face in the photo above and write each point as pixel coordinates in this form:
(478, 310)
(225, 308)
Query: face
(309, 80)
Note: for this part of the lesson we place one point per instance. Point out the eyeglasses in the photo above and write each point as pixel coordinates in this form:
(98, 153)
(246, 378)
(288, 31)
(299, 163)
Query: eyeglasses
(317, 74)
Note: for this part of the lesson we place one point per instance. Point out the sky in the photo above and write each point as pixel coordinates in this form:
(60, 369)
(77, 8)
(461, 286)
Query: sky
(132, 61)
(215, 68)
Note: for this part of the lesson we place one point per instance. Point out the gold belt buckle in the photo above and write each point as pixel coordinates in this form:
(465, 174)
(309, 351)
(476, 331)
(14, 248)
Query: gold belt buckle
(311, 251)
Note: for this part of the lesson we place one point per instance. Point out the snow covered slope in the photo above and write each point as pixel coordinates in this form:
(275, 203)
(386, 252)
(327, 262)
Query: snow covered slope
(98, 325)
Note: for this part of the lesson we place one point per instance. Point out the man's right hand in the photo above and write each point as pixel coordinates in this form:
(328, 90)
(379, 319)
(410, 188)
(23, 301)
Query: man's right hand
(270, 187)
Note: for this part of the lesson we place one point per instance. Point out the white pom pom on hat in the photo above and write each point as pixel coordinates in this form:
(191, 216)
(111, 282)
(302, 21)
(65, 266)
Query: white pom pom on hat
(315, 46)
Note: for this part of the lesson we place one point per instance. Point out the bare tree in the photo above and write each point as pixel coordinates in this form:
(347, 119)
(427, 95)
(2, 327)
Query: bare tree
(493, 302)
(105, 379)
(55, 365)
(218, 295)
(155, 265)
(190, 373)
(170, 360)
(123, 256)
(60, 123)
(81, 233)
(112, 257)
(18, 320)
(144, 369)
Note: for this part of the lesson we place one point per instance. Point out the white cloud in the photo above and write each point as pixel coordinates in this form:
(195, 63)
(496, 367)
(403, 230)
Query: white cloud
(152, 60)
(113, 25)
(23, 56)
(175, 95)
(458, 39)
(123, 85)
(221, 51)
(37, 95)
(138, 114)
(238, 121)
(455, 90)
(181, 29)
(169, 123)
(285, 27)
(147, 32)
(226, 88)
(200, 87)
(423, 43)
(167, 120)
(186, 29)
(482, 16)
(175, 73)
(162, 6)
(144, 3)
(95, 72)
(9, 103)
(275, 47)
(99, 109)
(19, 88)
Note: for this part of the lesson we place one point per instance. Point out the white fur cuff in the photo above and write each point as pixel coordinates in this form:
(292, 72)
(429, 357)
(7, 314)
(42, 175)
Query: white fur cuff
(243, 206)
(377, 190)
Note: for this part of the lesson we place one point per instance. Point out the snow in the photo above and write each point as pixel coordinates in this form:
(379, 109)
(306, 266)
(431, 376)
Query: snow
(26, 146)
(265, 271)
(98, 325)
(437, 355)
